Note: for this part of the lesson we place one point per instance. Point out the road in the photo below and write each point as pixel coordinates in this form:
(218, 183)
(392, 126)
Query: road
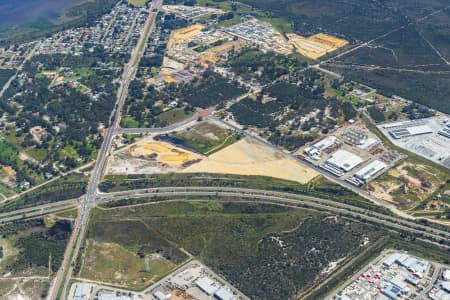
(329, 176)
(385, 35)
(107, 197)
(429, 234)
(159, 130)
(10, 80)
(64, 274)
(44, 207)
(88, 201)
(423, 294)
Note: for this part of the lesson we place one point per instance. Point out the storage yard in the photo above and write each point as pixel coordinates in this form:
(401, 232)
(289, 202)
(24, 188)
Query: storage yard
(196, 282)
(262, 34)
(248, 157)
(429, 138)
(316, 45)
(397, 275)
(190, 12)
(352, 153)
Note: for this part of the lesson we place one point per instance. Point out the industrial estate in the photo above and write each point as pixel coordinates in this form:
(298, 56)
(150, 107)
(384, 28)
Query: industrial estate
(230, 150)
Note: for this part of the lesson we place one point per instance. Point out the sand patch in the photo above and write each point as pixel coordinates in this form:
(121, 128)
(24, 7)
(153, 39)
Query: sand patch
(316, 45)
(151, 157)
(163, 152)
(248, 157)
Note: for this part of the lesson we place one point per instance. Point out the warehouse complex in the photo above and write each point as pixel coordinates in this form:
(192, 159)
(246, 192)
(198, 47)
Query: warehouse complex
(396, 275)
(428, 137)
(352, 154)
(194, 281)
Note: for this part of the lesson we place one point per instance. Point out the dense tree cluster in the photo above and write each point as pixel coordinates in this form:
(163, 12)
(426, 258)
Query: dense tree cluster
(264, 67)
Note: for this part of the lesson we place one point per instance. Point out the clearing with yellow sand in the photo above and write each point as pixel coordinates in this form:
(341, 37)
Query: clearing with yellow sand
(248, 157)
(316, 45)
(9, 171)
(163, 152)
(151, 157)
(184, 35)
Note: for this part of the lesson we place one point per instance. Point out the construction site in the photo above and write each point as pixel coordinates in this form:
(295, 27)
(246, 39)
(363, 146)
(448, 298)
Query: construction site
(316, 45)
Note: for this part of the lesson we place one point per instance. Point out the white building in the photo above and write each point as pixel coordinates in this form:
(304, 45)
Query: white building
(320, 146)
(370, 170)
(446, 275)
(160, 295)
(207, 285)
(224, 294)
(344, 160)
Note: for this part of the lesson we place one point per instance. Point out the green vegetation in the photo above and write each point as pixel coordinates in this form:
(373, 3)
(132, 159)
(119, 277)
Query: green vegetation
(149, 107)
(68, 187)
(403, 48)
(5, 74)
(174, 116)
(205, 138)
(128, 122)
(246, 243)
(54, 128)
(374, 18)
(109, 262)
(428, 89)
(265, 67)
(138, 3)
(320, 187)
(212, 89)
(376, 114)
(32, 244)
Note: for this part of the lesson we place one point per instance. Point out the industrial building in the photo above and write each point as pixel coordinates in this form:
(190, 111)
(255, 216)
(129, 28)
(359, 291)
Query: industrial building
(394, 276)
(407, 129)
(315, 149)
(194, 282)
(445, 132)
(110, 295)
(224, 294)
(429, 137)
(160, 295)
(207, 285)
(82, 291)
(342, 162)
(370, 171)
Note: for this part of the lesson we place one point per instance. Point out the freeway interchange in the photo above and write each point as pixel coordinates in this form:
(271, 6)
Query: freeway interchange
(399, 221)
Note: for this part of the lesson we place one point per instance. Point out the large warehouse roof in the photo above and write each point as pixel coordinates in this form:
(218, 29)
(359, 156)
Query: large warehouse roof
(207, 285)
(344, 160)
(370, 170)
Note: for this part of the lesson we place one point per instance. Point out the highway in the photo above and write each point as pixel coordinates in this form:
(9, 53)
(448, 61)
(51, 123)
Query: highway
(44, 207)
(92, 197)
(429, 234)
(331, 177)
(107, 197)
(64, 274)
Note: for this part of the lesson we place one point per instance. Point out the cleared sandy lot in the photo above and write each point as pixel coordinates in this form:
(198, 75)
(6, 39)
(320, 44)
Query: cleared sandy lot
(317, 45)
(149, 157)
(248, 157)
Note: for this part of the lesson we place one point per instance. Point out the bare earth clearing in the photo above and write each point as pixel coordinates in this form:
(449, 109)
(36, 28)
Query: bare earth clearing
(247, 157)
